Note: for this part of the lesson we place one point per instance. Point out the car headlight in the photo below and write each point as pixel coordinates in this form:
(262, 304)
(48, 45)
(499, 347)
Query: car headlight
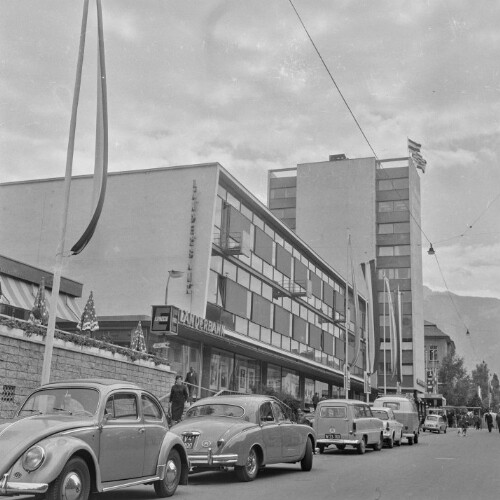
(33, 458)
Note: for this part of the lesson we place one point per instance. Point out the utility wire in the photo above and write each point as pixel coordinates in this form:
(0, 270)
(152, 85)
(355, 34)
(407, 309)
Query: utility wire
(333, 80)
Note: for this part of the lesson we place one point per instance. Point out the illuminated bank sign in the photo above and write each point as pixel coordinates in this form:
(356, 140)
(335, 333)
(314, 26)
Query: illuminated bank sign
(166, 319)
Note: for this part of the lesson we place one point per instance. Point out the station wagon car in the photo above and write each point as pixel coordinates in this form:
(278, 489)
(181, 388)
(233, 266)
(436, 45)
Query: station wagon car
(347, 422)
(405, 412)
(244, 432)
(393, 430)
(69, 439)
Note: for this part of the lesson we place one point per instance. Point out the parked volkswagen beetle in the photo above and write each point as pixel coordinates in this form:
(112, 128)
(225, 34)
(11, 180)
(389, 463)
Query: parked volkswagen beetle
(245, 432)
(69, 439)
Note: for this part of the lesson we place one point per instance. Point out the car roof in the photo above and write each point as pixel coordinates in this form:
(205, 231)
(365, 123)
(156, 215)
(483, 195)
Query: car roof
(94, 382)
(235, 399)
(343, 401)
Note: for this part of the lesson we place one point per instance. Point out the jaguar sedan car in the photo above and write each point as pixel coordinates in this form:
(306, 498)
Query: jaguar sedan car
(393, 430)
(69, 439)
(244, 433)
(434, 423)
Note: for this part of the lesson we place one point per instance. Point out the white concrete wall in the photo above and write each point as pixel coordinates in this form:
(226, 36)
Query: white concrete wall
(335, 199)
(142, 233)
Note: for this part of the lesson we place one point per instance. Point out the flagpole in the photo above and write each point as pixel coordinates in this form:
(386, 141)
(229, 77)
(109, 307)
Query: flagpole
(56, 283)
(346, 379)
(385, 360)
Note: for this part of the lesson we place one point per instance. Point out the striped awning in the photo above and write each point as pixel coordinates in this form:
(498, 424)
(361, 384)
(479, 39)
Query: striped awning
(22, 294)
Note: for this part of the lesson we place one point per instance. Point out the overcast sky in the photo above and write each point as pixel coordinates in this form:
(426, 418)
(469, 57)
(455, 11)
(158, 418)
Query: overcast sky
(239, 82)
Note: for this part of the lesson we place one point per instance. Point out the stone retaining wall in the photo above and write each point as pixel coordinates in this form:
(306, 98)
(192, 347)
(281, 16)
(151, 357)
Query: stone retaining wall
(21, 360)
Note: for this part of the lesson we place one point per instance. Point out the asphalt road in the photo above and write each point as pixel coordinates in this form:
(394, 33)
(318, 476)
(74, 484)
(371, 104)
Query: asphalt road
(439, 467)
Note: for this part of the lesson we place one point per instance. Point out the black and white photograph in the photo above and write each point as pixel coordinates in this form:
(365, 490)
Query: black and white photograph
(304, 195)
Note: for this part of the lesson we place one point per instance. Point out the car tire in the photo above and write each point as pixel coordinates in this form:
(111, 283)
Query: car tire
(398, 443)
(390, 442)
(167, 486)
(378, 446)
(340, 447)
(361, 447)
(74, 477)
(249, 471)
(415, 439)
(321, 449)
(307, 461)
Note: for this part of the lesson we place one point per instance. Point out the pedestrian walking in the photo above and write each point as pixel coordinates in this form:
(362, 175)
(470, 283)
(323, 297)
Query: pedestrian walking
(178, 398)
(315, 400)
(192, 382)
(497, 418)
(488, 417)
(465, 425)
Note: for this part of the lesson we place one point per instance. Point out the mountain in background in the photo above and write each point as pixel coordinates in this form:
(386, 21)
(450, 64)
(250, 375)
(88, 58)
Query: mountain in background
(454, 314)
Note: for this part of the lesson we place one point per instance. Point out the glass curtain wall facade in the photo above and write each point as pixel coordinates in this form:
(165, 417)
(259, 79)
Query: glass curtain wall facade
(276, 295)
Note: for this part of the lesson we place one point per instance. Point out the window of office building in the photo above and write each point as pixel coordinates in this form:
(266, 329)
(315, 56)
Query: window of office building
(261, 311)
(299, 331)
(263, 246)
(308, 390)
(221, 370)
(274, 377)
(391, 184)
(236, 299)
(247, 375)
(401, 206)
(394, 273)
(283, 261)
(290, 382)
(281, 320)
(395, 250)
(315, 337)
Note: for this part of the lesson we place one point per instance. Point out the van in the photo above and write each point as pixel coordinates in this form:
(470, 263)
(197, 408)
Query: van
(405, 411)
(347, 422)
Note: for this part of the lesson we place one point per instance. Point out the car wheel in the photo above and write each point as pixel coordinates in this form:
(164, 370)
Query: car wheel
(415, 440)
(73, 482)
(307, 461)
(321, 449)
(341, 447)
(390, 442)
(361, 447)
(248, 472)
(398, 443)
(378, 446)
(167, 486)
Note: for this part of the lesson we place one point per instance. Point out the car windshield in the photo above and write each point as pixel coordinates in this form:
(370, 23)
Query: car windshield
(380, 414)
(67, 401)
(432, 417)
(215, 410)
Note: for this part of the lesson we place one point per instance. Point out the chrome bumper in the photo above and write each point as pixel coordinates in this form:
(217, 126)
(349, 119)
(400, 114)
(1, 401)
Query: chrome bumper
(14, 488)
(210, 459)
(352, 442)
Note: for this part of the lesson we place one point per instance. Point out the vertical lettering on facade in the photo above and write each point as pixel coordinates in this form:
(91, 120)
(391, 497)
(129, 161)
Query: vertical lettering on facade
(192, 238)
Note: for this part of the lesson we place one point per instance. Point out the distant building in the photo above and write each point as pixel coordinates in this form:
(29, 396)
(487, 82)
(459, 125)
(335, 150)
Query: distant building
(437, 346)
(257, 304)
(377, 202)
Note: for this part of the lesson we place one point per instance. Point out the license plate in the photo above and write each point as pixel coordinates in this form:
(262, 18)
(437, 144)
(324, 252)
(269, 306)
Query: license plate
(332, 436)
(189, 441)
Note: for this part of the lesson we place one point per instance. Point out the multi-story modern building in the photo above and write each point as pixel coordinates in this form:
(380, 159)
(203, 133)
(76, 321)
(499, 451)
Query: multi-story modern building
(257, 307)
(437, 346)
(375, 203)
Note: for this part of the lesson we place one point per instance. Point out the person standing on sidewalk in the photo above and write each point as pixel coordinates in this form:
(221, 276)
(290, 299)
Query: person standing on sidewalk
(497, 418)
(178, 398)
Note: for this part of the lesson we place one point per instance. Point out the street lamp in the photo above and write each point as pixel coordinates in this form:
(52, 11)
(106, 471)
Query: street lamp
(172, 274)
(431, 250)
